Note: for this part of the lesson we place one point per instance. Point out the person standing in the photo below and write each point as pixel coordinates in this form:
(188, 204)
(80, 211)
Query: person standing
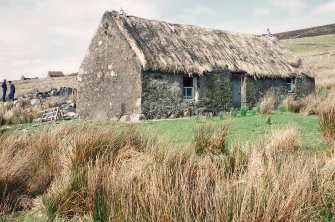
(11, 90)
(4, 90)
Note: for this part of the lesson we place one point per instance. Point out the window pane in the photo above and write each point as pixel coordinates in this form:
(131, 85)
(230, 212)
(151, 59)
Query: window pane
(188, 93)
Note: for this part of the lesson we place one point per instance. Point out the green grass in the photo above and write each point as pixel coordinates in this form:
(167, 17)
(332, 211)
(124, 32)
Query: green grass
(310, 44)
(241, 129)
(244, 129)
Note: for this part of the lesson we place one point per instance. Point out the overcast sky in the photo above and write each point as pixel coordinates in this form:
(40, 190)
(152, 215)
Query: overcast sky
(41, 35)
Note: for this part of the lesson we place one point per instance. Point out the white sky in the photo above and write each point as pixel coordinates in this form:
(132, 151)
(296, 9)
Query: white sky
(37, 36)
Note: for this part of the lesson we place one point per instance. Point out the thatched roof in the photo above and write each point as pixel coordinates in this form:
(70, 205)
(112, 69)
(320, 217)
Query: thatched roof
(189, 49)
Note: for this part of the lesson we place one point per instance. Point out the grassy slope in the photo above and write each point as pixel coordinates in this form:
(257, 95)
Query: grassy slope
(319, 54)
(44, 84)
(244, 129)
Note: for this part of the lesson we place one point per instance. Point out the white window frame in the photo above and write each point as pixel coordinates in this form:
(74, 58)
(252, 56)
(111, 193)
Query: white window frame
(185, 96)
(195, 93)
(291, 86)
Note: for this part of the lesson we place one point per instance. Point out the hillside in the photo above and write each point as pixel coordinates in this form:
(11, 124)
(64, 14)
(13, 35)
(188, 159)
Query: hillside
(310, 32)
(44, 84)
(318, 53)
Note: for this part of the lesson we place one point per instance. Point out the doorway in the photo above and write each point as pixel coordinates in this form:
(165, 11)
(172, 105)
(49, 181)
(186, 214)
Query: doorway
(236, 88)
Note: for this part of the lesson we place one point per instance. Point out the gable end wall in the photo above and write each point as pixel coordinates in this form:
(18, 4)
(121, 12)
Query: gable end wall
(110, 76)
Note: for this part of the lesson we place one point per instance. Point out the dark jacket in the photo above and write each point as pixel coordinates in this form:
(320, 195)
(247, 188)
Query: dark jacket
(12, 88)
(4, 86)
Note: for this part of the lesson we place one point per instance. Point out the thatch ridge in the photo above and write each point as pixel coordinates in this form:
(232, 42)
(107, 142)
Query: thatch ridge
(188, 49)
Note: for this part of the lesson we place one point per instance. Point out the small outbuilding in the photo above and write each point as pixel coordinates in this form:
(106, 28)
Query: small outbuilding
(55, 74)
(145, 69)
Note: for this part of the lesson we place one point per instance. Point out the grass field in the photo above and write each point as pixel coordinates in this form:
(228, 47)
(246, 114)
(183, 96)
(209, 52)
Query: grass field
(241, 129)
(244, 129)
(319, 55)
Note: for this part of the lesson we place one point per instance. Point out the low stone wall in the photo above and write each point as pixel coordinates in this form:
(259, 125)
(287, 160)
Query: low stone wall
(162, 95)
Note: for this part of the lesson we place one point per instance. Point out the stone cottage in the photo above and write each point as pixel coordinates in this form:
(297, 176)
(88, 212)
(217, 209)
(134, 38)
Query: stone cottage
(145, 69)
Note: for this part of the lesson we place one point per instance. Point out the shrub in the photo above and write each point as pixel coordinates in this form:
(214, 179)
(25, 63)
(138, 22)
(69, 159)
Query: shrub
(197, 117)
(255, 110)
(326, 113)
(221, 115)
(243, 110)
(233, 112)
(267, 104)
(281, 108)
(291, 105)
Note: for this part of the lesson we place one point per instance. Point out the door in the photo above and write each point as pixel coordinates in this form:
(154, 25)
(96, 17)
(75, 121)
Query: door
(236, 91)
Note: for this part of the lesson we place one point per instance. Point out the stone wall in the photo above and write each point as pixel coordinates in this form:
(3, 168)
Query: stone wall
(215, 91)
(162, 95)
(304, 86)
(109, 77)
(255, 89)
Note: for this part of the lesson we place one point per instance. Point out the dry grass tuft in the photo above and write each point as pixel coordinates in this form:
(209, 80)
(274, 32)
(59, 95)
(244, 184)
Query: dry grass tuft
(291, 105)
(282, 140)
(23, 112)
(309, 104)
(326, 113)
(267, 104)
(210, 138)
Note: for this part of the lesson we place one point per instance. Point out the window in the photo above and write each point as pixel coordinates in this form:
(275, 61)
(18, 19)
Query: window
(290, 85)
(188, 93)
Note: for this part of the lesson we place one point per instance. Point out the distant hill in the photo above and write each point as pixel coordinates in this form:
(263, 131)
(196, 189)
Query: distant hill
(310, 32)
